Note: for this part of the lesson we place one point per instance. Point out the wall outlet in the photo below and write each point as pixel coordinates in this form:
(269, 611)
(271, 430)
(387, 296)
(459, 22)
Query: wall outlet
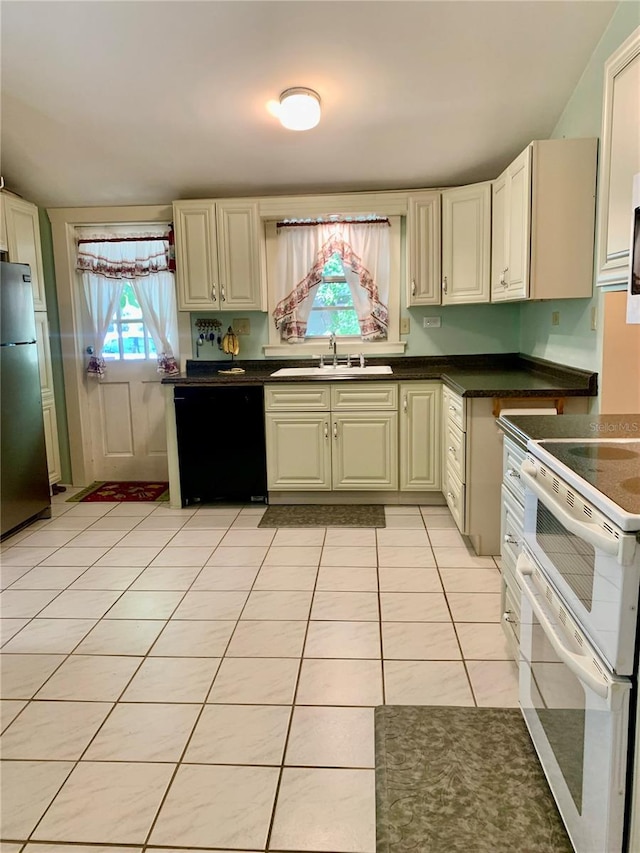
(241, 325)
(405, 325)
(555, 318)
(594, 319)
(431, 322)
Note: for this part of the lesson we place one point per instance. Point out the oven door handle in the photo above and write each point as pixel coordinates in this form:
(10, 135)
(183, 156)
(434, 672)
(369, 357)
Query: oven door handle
(582, 529)
(580, 665)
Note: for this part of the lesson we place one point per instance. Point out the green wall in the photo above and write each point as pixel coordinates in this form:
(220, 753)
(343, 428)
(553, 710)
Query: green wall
(56, 350)
(573, 342)
(465, 329)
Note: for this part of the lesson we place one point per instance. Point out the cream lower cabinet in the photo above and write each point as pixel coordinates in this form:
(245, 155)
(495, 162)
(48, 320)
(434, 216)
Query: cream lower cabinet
(219, 265)
(420, 436)
(350, 443)
(298, 451)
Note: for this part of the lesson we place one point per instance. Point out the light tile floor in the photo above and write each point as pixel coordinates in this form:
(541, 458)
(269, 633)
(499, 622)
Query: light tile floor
(183, 679)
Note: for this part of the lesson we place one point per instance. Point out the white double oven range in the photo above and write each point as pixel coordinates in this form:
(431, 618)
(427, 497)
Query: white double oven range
(579, 573)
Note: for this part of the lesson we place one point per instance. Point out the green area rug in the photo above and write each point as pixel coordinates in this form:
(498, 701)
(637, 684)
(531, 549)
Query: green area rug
(323, 515)
(461, 779)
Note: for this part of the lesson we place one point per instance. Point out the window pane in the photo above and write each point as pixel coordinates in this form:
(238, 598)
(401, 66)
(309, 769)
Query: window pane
(333, 266)
(333, 293)
(129, 308)
(111, 348)
(325, 322)
(133, 340)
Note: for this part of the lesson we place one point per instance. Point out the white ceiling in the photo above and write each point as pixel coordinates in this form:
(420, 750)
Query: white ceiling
(145, 102)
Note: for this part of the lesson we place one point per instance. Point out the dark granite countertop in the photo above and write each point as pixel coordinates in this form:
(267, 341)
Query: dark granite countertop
(541, 427)
(508, 375)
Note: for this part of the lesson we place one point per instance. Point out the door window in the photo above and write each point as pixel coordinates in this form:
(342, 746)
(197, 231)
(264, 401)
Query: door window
(127, 338)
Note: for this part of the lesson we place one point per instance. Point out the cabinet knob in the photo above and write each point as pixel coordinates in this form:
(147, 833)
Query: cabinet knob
(413, 287)
(508, 538)
(444, 284)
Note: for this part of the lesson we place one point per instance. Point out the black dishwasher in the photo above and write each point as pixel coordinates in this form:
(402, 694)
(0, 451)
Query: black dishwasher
(221, 443)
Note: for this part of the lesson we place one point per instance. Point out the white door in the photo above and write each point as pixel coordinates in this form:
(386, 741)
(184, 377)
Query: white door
(126, 408)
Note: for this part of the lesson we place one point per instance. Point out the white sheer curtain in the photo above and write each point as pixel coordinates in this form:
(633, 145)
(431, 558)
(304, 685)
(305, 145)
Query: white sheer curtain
(303, 251)
(101, 296)
(106, 263)
(157, 299)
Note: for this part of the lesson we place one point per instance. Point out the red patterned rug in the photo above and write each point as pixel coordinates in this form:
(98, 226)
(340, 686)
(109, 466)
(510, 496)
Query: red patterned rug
(123, 490)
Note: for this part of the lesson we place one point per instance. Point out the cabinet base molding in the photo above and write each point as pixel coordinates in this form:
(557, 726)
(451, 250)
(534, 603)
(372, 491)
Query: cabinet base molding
(388, 498)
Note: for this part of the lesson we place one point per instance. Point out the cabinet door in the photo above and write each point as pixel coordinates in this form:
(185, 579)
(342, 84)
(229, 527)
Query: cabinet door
(23, 242)
(44, 353)
(3, 226)
(365, 451)
(423, 241)
(51, 440)
(499, 239)
(466, 244)
(241, 285)
(518, 225)
(298, 451)
(196, 255)
(420, 436)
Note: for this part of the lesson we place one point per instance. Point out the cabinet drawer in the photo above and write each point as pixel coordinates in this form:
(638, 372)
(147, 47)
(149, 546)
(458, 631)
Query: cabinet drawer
(297, 398)
(454, 493)
(511, 526)
(355, 397)
(512, 458)
(454, 408)
(454, 448)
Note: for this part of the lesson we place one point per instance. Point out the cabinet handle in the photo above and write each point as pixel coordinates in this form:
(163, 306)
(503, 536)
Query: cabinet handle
(511, 472)
(503, 280)
(413, 287)
(451, 498)
(452, 408)
(508, 538)
(444, 284)
(404, 405)
(508, 617)
(452, 451)
(335, 430)
(223, 298)
(214, 298)
(326, 430)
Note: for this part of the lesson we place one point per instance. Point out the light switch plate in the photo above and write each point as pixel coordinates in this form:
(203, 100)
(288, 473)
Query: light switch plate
(555, 318)
(241, 325)
(431, 322)
(405, 325)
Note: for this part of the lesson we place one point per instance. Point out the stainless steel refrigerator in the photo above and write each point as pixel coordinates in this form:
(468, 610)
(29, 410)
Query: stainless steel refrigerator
(24, 480)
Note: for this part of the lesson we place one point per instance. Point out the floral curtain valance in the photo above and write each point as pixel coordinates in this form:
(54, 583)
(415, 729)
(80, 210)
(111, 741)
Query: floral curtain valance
(124, 259)
(303, 252)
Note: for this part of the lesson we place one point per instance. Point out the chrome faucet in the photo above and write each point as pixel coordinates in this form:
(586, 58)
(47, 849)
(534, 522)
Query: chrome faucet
(333, 344)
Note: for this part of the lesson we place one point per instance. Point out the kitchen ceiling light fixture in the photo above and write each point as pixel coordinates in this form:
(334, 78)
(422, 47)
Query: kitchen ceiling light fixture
(299, 108)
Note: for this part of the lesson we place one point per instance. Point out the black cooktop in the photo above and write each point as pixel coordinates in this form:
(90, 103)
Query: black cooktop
(611, 467)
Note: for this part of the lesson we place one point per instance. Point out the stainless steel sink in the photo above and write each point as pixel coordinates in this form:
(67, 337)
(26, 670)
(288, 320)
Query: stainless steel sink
(331, 372)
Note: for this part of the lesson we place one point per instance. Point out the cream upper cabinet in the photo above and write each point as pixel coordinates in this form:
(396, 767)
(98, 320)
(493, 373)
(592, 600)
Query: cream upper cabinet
(218, 257)
(423, 245)
(23, 242)
(543, 222)
(466, 244)
(619, 160)
(420, 436)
